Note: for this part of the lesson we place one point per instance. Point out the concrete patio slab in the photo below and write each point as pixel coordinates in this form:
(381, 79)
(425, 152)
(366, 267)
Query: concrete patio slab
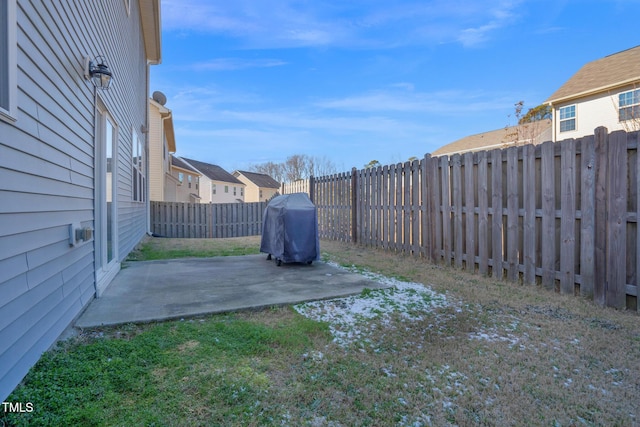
(146, 291)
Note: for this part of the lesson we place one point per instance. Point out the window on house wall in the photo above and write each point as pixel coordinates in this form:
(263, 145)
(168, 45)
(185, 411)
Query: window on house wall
(242, 191)
(260, 197)
(7, 57)
(629, 105)
(213, 189)
(137, 168)
(568, 118)
(197, 182)
(180, 177)
(234, 190)
(226, 188)
(189, 179)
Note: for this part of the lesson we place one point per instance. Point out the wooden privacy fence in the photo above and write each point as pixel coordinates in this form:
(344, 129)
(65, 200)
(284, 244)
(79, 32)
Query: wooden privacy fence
(202, 220)
(562, 215)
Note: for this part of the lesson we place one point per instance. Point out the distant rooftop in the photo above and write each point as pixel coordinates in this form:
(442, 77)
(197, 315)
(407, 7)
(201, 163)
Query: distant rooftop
(538, 132)
(260, 179)
(213, 172)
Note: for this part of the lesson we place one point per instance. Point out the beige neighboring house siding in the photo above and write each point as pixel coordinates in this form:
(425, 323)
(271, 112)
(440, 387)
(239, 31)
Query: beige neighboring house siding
(216, 184)
(253, 191)
(226, 192)
(594, 91)
(259, 187)
(187, 189)
(161, 146)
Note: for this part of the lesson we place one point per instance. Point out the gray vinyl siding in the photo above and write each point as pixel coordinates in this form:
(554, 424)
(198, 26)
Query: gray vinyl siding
(47, 168)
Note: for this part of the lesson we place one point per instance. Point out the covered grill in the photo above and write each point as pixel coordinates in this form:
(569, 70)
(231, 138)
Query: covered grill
(290, 229)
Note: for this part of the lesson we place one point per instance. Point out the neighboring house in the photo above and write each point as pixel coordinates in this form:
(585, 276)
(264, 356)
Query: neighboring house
(185, 180)
(260, 187)
(162, 143)
(527, 133)
(605, 92)
(72, 162)
(216, 184)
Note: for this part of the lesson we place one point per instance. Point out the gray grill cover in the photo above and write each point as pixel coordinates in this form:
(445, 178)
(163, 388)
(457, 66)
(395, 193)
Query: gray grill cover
(290, 229)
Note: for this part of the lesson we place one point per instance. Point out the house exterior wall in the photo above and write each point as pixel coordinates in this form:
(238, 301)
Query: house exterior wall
(235, 193)
(267, 193)
(252, 193)
(47, 169)
(185, 190)
(591, 112)
(158, 154)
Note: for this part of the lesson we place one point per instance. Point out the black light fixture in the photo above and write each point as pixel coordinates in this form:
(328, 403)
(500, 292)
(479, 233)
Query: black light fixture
(98, 72)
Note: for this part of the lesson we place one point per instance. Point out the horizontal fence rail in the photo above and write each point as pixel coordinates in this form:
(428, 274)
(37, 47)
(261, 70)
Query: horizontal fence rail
(562, 215)
(206, 220)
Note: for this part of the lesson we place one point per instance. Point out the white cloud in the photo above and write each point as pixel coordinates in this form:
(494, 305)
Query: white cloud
(442, 102)
(228, 64)
(359, 23)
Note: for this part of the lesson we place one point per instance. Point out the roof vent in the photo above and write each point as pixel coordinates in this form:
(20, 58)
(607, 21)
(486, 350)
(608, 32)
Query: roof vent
(159, 97)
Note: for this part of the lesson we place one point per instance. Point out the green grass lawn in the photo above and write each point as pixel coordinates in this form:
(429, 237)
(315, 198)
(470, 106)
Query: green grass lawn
(494, 354)
(207, 371)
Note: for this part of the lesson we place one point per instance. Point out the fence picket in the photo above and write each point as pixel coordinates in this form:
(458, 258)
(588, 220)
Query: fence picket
(469, 212)
(513, 238)
(548, 216)
(568, 217)
(457, 209)
(497, 227)
(483, 214)
(529, 220)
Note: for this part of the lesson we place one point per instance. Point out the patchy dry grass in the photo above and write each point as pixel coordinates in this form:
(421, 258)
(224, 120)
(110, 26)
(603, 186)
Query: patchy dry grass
(440, 347)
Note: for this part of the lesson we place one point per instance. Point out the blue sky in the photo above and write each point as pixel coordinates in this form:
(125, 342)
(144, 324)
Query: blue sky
(251, 81)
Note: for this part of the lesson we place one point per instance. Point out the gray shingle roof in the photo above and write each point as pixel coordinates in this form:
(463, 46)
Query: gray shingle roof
(213, 172)
(600, 75)
(260, 179)
(178, 162)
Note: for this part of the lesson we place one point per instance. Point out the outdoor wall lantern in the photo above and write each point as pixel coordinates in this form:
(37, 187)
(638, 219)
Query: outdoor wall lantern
(98, 71)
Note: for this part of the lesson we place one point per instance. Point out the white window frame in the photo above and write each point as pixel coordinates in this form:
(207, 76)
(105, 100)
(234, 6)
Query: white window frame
(634, 106)
(566, 119)
(8, 71)
(138, 156)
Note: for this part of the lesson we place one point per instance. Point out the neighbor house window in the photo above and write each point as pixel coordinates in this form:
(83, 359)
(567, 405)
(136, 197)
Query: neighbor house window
(226, 188)
(629, 105)
(8, 67)
(180, 177)
(242, 191)
(213, 189)
(234, 190)
(568, 118)
(137, 169)
(189, 179)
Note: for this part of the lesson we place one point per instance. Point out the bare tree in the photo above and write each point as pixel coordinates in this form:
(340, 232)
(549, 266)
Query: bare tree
(529, 125)
(274, 170)
(295, 167)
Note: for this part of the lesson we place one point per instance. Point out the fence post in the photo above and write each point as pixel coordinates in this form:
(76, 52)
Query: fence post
(312, 190)
(616, 258)
(354, 205)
